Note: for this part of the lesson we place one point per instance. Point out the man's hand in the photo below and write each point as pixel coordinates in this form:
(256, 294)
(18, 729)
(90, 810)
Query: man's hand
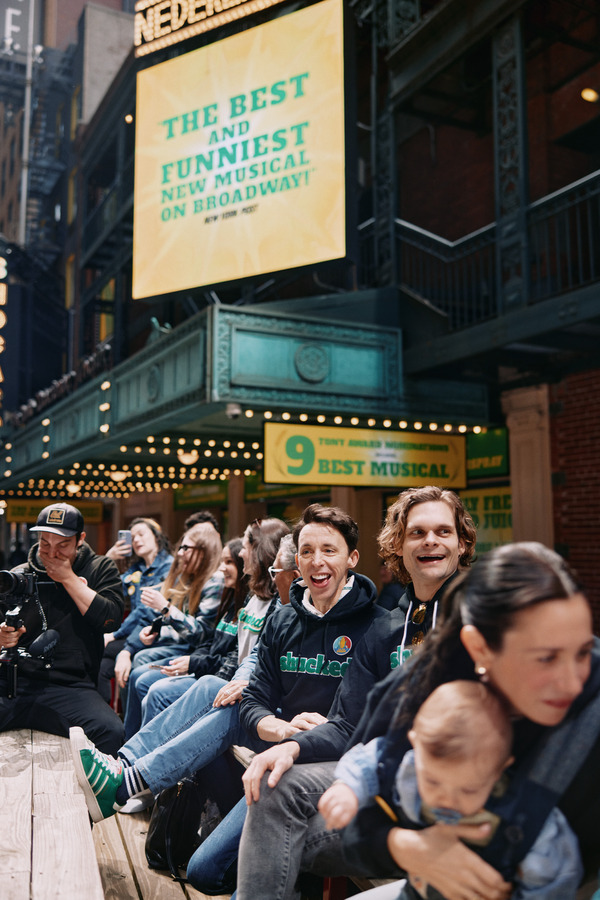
(338, 806)
(277, 760)
(306, 721)
(274, 729)
(9, 637)
(122, 668)
(437, 856)
(230, 693)
(58, 567)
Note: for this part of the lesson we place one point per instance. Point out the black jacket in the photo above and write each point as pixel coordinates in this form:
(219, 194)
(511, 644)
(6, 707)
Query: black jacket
(303, 657)
(365, 839)
(378, 653)
(76, 657)
(371, 662)
(219, 646)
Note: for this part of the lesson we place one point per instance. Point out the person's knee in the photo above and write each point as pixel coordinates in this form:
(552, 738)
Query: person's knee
(207, 688)
(111, 736)
(204, 874)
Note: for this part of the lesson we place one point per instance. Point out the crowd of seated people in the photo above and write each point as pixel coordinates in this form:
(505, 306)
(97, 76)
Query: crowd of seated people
(275, 642)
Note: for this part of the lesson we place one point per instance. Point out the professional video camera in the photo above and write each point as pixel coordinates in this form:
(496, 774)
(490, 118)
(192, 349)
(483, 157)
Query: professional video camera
(22, 587)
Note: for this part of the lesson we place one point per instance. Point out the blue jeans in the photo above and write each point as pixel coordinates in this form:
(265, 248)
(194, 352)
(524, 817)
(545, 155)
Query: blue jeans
(140, 680)
(213, 867)
(185, 737)
(163, 693)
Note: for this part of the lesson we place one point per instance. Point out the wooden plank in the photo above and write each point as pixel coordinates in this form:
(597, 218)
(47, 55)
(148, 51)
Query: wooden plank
(133, 829)
(53, 766)
(152, 885)
(113, 861)
(15, 813)
(63, 857)
(193, 894)
(242, 754)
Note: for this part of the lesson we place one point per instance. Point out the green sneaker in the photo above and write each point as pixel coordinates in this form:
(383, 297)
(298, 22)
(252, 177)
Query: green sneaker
(98, 774)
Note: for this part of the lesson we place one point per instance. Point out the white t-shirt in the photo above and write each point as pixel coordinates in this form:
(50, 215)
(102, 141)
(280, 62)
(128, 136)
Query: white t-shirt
(250, 622)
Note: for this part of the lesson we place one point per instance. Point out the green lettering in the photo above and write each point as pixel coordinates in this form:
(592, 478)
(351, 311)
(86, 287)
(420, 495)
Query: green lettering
(298, 447)
(237, 105)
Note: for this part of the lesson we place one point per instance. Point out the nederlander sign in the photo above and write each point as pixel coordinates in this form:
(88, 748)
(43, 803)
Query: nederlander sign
(160, 24)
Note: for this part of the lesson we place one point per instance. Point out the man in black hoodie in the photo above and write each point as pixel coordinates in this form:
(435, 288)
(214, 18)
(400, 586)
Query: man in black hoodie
(428, 535)
(60, 643)
(307, 648)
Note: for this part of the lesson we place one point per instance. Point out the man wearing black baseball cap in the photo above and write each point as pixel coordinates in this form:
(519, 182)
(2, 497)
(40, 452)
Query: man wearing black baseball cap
(80, 598)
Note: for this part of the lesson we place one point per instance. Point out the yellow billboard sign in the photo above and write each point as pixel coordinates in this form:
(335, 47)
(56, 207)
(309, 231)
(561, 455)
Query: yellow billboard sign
(240, 156)
(362, 457)
(491, 511)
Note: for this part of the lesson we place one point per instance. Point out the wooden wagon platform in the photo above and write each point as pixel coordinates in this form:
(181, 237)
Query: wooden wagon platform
(47, 846)
(48, 850)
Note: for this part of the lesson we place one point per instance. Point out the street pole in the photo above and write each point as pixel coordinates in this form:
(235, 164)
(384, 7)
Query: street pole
(22, 233)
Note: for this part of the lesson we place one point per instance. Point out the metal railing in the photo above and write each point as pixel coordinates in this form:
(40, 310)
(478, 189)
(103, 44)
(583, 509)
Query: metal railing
(103, 218)
(460, 277)
(564, 239)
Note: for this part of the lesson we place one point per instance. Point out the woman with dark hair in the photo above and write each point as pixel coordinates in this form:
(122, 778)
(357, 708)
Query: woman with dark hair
(149, 561)
(519, 621)
(260, 544)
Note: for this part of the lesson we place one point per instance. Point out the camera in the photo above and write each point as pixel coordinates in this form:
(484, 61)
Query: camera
(13, 618)
(233, 410)
(18, 584)
(22, 587)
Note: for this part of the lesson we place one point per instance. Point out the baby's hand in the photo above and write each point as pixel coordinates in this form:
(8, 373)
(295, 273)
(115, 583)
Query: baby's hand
(338, 806)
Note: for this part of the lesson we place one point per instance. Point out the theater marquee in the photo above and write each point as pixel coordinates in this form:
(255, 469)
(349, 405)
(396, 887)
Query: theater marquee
(161, 23)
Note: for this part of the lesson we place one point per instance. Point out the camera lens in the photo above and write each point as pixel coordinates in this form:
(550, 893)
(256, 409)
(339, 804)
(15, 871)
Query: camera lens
(8, 582)
(18, 584)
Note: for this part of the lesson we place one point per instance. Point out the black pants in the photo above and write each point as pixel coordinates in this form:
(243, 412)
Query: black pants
(107, 668)
(54, 708)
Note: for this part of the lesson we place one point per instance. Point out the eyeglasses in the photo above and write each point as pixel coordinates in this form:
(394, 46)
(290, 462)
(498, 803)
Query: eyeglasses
(273, 571)
(185, 547)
